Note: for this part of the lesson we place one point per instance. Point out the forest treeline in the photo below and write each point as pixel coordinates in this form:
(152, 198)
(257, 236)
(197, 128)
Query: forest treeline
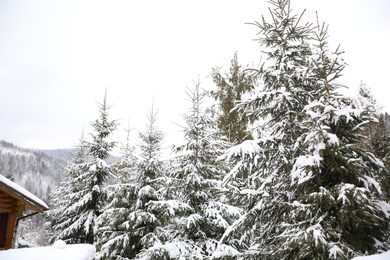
(34, 170)
(284, 165)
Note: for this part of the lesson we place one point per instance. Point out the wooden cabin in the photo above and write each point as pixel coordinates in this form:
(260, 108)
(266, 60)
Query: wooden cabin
(14, 200)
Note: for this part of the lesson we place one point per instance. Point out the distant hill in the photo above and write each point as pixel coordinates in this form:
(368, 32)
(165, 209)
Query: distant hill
(34, 170)
(66, 155)
(38, 171)
(62, 154)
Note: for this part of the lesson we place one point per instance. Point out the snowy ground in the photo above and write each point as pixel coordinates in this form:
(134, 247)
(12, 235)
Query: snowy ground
(384, 256)
(59, 251)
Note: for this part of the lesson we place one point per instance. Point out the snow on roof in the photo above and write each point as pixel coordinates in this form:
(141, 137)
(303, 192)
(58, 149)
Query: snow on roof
(31, 198)
(59, 251)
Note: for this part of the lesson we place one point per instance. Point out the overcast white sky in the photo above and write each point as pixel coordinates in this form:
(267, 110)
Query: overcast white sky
(58, 57)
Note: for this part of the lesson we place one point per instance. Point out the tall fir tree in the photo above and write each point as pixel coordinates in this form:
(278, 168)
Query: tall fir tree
(198, 216)
(370, 129)
(150, 166)
(231, 88)
(337, 213)
(261, 178)
(377, 140)
(125, 166)
(62, 217)
(92, 199)
(86, 198)
(128, 224)
(381, 147)
(313, 193)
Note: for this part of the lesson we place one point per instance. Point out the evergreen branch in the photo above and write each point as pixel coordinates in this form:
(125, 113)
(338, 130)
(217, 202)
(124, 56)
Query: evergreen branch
(276, 26)
(296, 24)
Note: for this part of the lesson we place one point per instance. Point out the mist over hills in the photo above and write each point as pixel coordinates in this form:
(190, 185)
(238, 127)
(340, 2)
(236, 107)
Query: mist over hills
(34, 170)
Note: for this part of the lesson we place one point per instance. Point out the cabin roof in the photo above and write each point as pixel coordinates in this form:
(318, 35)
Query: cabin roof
(19, 193)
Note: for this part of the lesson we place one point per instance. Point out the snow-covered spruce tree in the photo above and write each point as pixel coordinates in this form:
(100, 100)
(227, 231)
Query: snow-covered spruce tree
(377, 141)
(86, 198)
(61, 217)
(128, 224)
(370, 129)
(231, 87)
(125, 167)
(91, 198)
(381, 147)
(199, 217)
(150, 166)
(325, 195)
(336, 212)
(261, 179)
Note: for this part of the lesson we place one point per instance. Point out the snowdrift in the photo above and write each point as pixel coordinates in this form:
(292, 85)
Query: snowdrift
(59, 251)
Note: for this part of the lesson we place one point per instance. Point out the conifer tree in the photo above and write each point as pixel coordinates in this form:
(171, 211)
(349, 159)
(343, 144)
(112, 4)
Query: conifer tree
(61, 218)
(337, 212)
(126, 165)
(113, 225)
(231, 88)
(86, 197)
(382, 151)
(150, 166)
(128, 224)
(261, 176)
(92, 197)
(312, 193)
(377, 140)
(369, 130)
(198, 217)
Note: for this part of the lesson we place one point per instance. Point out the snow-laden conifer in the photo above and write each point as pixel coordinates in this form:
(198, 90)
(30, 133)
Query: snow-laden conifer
(125, 167)
(377, 140)
(196, 217)
(60, 217)
(310, 189)
(128, 224)
(337, 211)
(261, 178)
(86, 198)
(231, 87)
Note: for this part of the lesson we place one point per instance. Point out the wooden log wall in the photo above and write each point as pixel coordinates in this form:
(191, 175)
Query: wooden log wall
(13, 208)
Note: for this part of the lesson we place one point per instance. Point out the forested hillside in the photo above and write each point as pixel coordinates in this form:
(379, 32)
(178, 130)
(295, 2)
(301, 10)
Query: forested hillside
(62, 154)
(36, 171)
(66, 155)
